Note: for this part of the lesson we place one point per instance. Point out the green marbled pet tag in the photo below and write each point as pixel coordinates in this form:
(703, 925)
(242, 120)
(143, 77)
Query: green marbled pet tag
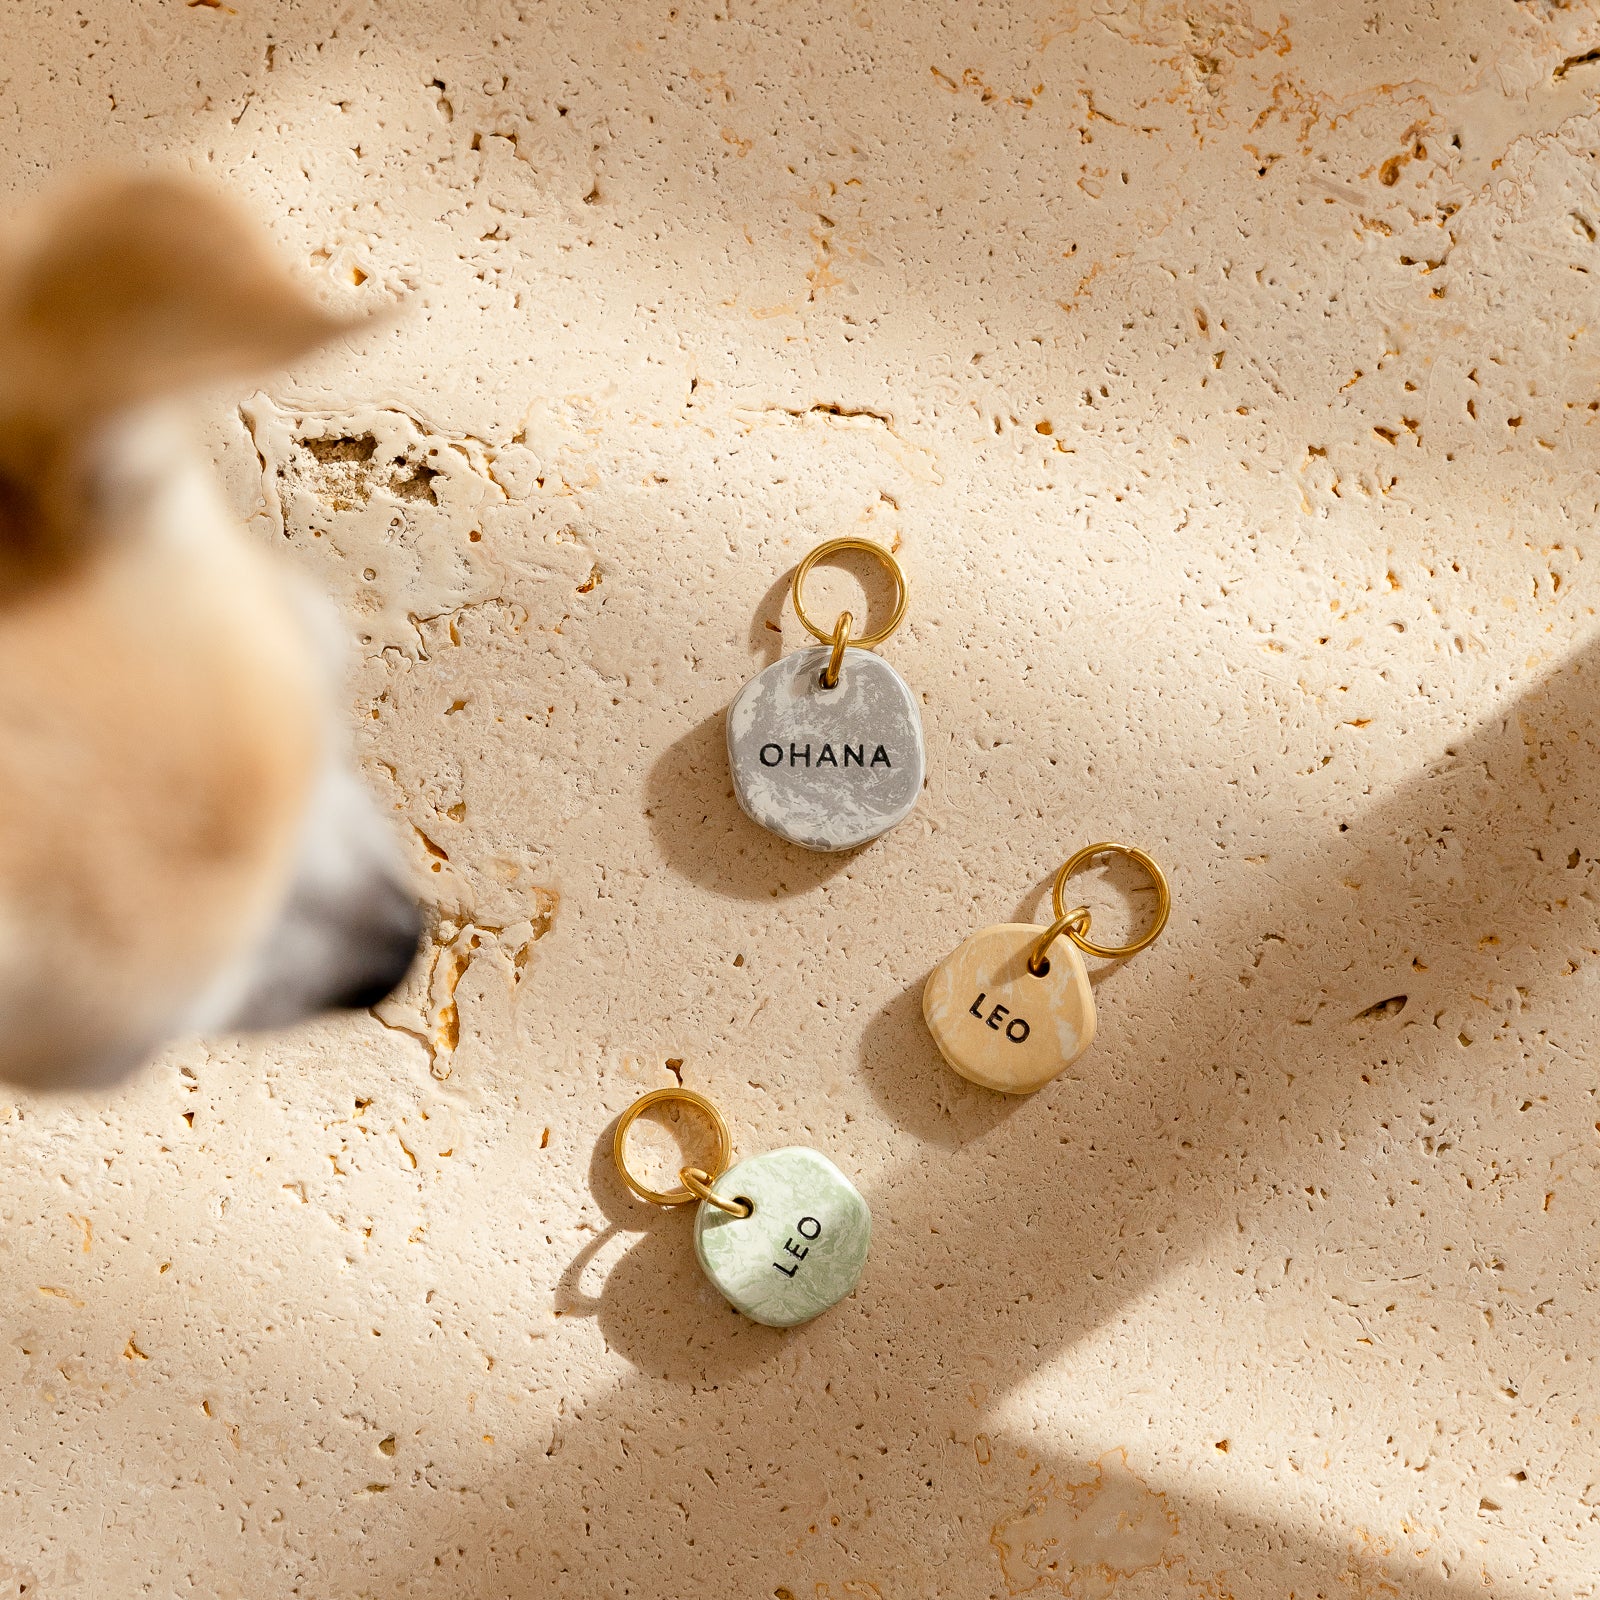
(801, 1250)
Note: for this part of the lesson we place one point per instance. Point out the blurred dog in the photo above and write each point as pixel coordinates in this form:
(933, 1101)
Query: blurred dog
(183, 847)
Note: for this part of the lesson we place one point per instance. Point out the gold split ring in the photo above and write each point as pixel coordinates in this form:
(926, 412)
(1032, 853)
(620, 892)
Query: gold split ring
(835, 547)
(698, 1182)
(841, 637)
(1074, 923)
(673, 1095)
(1078, 935)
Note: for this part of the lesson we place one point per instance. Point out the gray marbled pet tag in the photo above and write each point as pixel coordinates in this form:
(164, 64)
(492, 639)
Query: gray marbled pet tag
(826, 768)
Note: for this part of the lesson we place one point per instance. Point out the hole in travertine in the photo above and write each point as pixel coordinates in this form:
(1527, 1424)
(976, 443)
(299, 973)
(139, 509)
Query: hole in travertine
(344, 472)
(387, 1446)
(1392, 1007)
(339, 472)
(417, 484)
(363, 448)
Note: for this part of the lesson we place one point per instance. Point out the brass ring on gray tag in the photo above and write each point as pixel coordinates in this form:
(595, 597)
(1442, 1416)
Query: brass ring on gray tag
(841, 638)
(835, 547)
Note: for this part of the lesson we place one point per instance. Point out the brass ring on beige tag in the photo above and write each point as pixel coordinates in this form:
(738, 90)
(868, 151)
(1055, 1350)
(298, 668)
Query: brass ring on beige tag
(833, 547)
(698, 1182)
(672, 1095)
(1157, 877)
(1075, 923)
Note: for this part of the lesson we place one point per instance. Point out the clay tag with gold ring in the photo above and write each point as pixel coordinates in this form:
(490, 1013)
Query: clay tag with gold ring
(1002, 1025)
(784, 1234)
(825, 746)
(1011, 1008)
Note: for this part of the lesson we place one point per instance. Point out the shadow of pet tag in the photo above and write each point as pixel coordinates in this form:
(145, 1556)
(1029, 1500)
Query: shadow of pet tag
(826, 745)
(1002, 1025)
(799, 1251)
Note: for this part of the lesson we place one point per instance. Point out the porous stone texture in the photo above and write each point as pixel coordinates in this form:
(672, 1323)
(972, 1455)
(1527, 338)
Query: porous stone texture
(1000, 1024)
(1226, 377)
(826, 767)
(801, 1249)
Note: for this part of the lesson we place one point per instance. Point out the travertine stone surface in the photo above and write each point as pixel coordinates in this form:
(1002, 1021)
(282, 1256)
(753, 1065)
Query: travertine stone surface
(1001, 1025)
(1229, 376)
(826, 768)
(799, 1251)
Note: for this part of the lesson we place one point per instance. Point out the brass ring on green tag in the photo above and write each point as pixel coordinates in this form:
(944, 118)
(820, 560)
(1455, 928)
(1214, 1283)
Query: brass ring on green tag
(671, 1095)
(1157, 877)
(698, 1182)
(835, 547)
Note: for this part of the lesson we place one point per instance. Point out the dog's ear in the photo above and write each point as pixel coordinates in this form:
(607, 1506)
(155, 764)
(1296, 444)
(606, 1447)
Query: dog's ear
(126, 288)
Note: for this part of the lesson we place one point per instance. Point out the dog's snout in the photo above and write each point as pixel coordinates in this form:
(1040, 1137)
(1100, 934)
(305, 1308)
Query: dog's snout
(382, 950)
(349, 927)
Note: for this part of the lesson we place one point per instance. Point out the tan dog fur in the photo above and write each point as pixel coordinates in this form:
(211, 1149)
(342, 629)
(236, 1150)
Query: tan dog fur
(162, 716)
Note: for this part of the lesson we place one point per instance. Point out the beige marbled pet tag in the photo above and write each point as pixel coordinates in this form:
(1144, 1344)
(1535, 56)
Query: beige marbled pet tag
(997, 1023)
